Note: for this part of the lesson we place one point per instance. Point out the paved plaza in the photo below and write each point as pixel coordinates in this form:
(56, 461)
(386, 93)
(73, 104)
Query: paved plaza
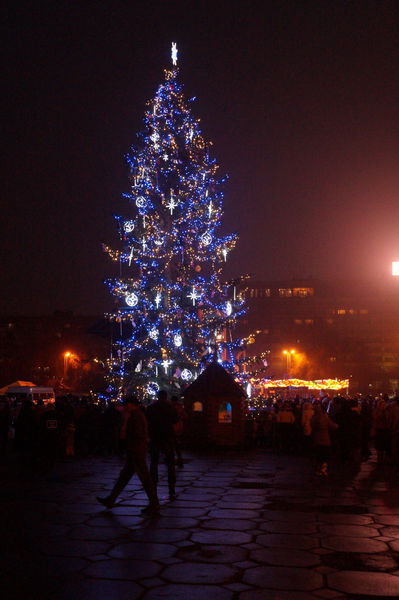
(244, 526)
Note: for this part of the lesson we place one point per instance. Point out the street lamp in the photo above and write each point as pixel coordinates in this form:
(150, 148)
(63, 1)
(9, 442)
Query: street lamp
(288, 355)
(395, 268)
(67, 355)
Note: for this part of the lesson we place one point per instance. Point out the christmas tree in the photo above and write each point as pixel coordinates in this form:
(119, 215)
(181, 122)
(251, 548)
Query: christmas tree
(174, 314)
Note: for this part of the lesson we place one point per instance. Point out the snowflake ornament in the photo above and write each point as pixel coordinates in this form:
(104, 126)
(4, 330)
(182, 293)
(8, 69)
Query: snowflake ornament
(131, 299)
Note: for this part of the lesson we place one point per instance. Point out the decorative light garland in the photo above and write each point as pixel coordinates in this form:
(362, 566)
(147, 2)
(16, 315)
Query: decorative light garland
(169, 237)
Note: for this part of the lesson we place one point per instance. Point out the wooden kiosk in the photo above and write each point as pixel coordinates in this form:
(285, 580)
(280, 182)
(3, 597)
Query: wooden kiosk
(214, 404)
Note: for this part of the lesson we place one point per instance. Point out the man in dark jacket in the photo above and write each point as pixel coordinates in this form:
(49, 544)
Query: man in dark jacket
(135, 433)
(161, 416)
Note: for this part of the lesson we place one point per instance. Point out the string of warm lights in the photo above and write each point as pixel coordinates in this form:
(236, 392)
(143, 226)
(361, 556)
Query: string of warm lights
(261, 391)
(317, 384)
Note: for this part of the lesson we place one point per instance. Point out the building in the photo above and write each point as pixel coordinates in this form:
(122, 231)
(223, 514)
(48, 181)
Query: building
(317, 329)
(58, 350)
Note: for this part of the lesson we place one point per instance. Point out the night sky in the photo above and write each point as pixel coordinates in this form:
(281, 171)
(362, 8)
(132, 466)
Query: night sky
(300, 99)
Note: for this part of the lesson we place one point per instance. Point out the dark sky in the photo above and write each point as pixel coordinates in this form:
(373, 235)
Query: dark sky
(300, 99)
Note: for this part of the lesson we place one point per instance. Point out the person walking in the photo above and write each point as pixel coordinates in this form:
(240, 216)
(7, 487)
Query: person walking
(393, 429)
(321, 427)
(134, 431)
(5, 422)
(380, 431)
(162, 416)
(285, 427)
(306, 422)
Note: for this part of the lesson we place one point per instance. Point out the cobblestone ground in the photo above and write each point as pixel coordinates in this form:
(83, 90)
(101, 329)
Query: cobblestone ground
(244, 526)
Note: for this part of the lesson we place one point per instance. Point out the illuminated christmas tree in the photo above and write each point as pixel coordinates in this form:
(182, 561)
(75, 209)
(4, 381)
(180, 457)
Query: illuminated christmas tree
(174, 314)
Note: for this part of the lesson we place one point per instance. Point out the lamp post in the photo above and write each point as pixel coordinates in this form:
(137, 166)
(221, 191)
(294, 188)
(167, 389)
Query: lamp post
(67, 355)
(288, 356)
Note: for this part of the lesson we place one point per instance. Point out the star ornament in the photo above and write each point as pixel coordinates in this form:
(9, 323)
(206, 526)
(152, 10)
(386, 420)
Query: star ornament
(174, 54)
(165, 363)
(193, 295)
(158, 299)
(171, 205)
(154, 138)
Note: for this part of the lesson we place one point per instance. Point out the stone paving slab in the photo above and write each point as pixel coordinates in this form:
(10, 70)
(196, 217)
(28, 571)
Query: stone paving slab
(214, 554)
(285, 558)
(275, 540)
(284, 578)
(366, 531)
(196, 572)
(137, 549)
(189, 592)
(88, 589)
(354, 544)
(369, 584)
(130, 569)
(229, 524)
(285, 536)
(289, 527)
(264, 594)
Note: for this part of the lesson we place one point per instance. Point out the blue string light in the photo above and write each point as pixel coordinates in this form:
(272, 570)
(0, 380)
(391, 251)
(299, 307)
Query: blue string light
(173, 309)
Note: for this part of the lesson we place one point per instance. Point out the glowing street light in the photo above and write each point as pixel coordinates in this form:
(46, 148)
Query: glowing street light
(67, 355)
(289, 355)
(395, 268)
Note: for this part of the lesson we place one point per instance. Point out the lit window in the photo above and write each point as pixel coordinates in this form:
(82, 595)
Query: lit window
(341, 311)
(198, 406)
(351, 311)
(225, 413)
(285, 292)
(333, 358)
(309, 321)
(303, 292)
(267, 292)
(298, 321)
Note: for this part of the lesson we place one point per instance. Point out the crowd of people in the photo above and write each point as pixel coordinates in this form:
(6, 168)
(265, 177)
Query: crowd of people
(339, 427)
(39, 433)
(342, 428)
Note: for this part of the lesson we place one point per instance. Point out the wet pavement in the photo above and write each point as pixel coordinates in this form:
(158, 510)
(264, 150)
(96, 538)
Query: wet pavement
(244, 526)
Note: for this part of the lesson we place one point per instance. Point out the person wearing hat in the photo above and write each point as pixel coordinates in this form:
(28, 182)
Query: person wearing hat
(134, 431)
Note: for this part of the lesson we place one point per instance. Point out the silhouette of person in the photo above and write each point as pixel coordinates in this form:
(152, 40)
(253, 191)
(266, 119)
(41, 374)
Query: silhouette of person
(161, 417)
(135, 433)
